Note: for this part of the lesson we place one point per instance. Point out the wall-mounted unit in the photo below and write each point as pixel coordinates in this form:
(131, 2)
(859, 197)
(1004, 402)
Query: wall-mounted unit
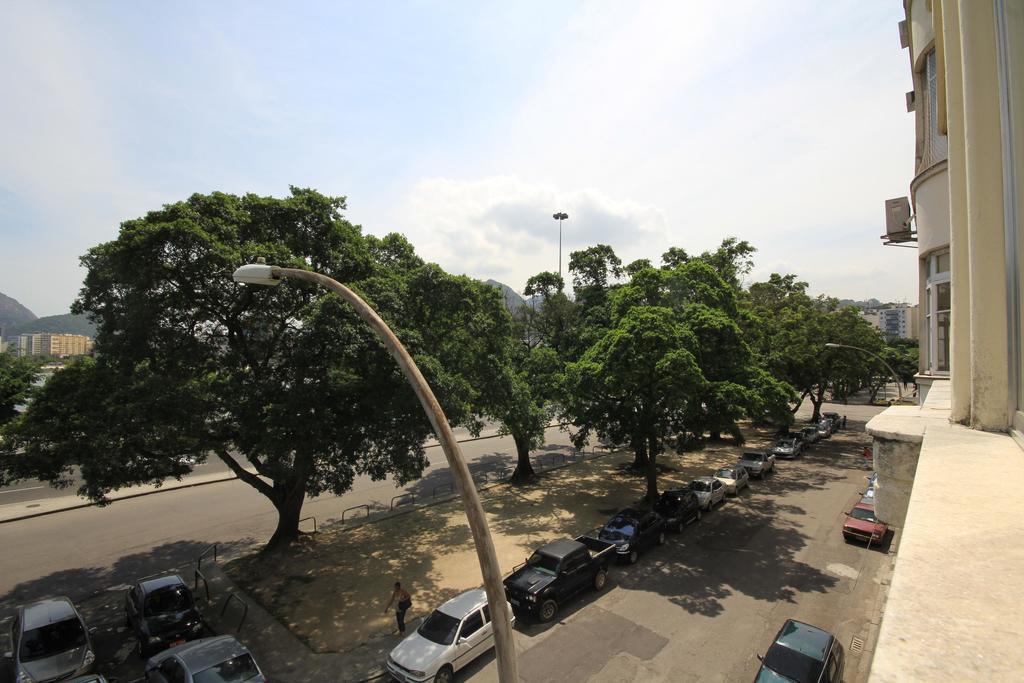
(899, 223)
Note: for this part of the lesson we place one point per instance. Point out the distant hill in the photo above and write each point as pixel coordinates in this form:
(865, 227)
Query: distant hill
(512, 299)
(13, 313)
(66, 324)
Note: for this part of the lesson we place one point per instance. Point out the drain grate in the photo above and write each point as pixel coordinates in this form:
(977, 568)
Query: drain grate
(856, 645)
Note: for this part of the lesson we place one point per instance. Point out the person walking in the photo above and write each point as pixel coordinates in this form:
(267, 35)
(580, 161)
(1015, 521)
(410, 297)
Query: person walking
(844, 422)
(402, 601)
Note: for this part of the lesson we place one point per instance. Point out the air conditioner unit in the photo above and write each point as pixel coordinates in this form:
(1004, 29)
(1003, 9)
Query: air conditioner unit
(904, 34)
(911, 101)
(898, 222)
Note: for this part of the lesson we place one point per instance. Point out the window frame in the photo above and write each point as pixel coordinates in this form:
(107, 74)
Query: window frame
(934, 278)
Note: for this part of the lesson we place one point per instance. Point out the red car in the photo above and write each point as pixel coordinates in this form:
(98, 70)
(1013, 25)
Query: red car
(861, 525)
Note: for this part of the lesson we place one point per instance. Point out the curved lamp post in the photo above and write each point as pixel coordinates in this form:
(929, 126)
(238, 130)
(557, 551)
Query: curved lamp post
(560, 216)
(892, 372)
(262, 274)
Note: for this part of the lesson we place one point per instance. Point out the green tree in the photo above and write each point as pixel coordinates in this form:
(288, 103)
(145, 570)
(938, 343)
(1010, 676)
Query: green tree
(287, 381)
(635, 386)
(17, 376)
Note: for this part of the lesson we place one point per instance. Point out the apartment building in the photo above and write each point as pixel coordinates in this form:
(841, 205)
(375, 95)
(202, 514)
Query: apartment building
(951, 470)
(51, 344)
(898, 323)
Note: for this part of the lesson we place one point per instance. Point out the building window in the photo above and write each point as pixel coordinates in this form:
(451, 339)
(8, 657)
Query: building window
(935, 145)
(937, 307)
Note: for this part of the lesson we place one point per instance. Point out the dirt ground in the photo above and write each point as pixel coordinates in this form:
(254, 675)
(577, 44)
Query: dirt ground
(331, 591)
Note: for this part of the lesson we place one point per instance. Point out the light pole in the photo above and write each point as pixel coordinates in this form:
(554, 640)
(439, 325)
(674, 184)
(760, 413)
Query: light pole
(892, 372)
(262, 274)
(560, 216)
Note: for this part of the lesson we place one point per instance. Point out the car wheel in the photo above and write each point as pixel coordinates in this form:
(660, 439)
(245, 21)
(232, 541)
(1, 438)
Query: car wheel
(661, 538)
(600, 578)
(633, 556)
(445, 675)
(548, 610)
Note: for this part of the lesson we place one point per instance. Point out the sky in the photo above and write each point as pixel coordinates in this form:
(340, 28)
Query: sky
(464, 126)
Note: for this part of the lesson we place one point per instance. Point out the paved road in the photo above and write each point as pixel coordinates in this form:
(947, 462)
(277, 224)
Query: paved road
(704, 605)
(79, 551)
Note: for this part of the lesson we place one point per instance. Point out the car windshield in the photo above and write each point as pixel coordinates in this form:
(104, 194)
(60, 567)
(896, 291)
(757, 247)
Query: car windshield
(725, 473)
(793, 665)
(700, 486)
(543, 563)
(610, 534)
(861, 513)
(168, 601)
(235, 670)
(439, 628)
(753, 456)
(785, 444)
(51, 639)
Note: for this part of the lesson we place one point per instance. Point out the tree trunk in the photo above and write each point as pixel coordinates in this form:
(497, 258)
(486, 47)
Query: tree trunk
(524, 468)
(652, 479)
(640, 456)
(817, 398)
(289, 511)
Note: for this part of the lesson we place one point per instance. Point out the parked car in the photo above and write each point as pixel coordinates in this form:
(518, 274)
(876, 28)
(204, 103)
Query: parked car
(787, 448)
(162, 613)
(207, 660)
(50, 642)
(89, 678)
(734, 478)
(802, 653)
(557, 571)
(452, 636)
(811, 435)
(837, 420)
(757, 463)
(679, 507)
(709, 491)
(825, 428)
(632, 531)
(862, 525)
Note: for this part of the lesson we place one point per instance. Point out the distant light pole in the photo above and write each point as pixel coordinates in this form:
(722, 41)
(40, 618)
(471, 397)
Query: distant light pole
(560, 216)
(892, 372)
(262, 274)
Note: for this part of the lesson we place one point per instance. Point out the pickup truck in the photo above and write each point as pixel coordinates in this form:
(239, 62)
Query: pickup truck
(757, 463)
(556, 572)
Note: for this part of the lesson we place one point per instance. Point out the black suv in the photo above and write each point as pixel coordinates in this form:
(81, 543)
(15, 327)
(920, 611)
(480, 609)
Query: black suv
(162, 613)
(679, 507)
(632, 531)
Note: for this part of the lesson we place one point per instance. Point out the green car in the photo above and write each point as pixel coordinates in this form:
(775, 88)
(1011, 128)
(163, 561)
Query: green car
(802, 653)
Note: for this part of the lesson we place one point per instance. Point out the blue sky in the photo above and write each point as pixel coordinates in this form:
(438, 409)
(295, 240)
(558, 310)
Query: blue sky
(464, 125)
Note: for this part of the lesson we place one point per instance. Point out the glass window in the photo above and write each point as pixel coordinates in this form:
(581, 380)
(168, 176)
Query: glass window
(471, 625)
(935, 143)
(937, 305)
(51, 639)
(235, 670)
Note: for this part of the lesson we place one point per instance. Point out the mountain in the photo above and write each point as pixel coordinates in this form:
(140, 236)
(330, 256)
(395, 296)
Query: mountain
(512, 299)
(66, 324)
(13, 313)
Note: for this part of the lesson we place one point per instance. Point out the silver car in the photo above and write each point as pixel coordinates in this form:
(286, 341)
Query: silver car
(50, 642)
(709, 490)
(221, 658)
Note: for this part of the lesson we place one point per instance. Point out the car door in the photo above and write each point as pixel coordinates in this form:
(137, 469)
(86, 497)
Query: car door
(133, 606)
(647, 531)
(717, 491)
(575, 574)
(472, 635)
(834, 665)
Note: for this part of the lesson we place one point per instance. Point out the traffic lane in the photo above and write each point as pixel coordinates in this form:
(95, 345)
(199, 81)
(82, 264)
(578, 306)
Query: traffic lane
(719, 591)
(76, 552)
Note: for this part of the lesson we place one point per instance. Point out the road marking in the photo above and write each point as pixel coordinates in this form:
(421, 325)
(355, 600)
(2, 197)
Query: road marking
(27, 488)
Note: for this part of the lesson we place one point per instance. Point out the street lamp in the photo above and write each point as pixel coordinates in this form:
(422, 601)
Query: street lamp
(560, 216)
(892, 372)
(262, 274)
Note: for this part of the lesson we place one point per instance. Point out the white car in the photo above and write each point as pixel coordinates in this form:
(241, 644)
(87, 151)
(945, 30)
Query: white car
(709, 491)
(734, 478)
(454, 635)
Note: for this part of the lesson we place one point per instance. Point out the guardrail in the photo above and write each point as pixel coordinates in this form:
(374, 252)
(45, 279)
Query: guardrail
(206, 552)
(306, 519)
(355, 507)
(197, 577)
(449, 485)
(410, 496)
(245, 609)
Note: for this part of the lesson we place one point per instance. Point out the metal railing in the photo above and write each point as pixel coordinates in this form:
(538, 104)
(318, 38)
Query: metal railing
(306, 519)
(206, 551)
(197, 577)
(410, 496)
(355, 507)
(449, 485)
(245, 609)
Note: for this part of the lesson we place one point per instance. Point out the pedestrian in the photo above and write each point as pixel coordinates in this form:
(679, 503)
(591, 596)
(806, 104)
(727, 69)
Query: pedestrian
(844, 422)
(402, 601)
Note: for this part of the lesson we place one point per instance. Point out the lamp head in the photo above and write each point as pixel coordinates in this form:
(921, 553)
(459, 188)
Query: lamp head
(830, 345)
(257, 274)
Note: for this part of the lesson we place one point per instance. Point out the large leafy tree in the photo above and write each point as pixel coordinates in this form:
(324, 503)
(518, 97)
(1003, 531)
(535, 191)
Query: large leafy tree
(635, 385)
(16, 378)
(286, 381)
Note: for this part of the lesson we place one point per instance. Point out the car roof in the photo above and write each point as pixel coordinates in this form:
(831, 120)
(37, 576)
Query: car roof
(203, 653)
(805, 639)
(705, 479)
(731, 468)
(464, 603)
(46, 612)
(151, 585)
(864, 506)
